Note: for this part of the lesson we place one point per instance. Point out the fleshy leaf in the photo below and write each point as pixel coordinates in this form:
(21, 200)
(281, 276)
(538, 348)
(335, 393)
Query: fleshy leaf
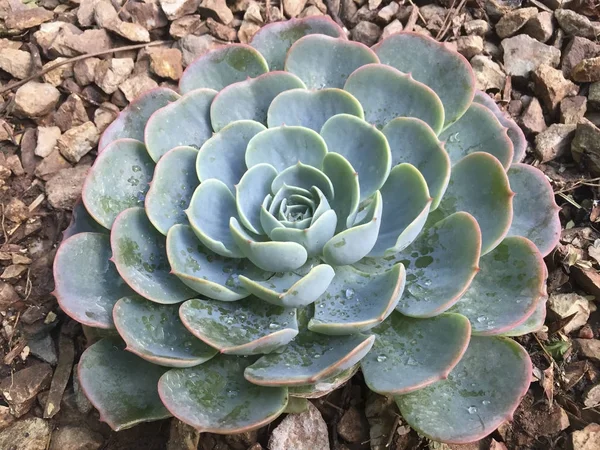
(303, 176)
(406, 204)
(313, 238)
(131, 122)
(289, 289)
(311, 109)
(172, 188)
(355, 243)
(410, 354)
(535, 213)
(121, 385)
(185, 122)
(386, 93)
(118, 180)
(325, 62)
(323, 387)
(309, 358)
(215, 398)
(87, 283)
(140, 256)
(206, 272)
(268, 255)
(250, 99)
(482, 391)
(365, 147)
(275, 39)
(507, 288)
(356, 301)
(413, 141)
(223, 66)
(478, 130)
(514, 132)
(246, 327)
(251, 191)
(211, 207)
(284, 146)
(82, 222)
(344, 179)
(155, 333)
(533, 323)
(479, 185)
(445, 71)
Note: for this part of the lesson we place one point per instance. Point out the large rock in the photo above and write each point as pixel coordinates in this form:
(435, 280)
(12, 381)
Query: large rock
(64, 188)
(523, 54)
(35, 99)
(28, 434)
(540, 27)
(78, 141)
(587, 71)
(304, 431)
(469, 46)
(111, 73)
(589, 348)
(75, 438)
(107, 17)
(217, 9)
(554, 141)
(513, 21)
(20, 389)
(576, 51)
(90, 41)
(15, 62)
(576, 24)
(174, 9)
(28, 18)
(166, 63)
(70, 114)
(572, 109)
(586, 439)
(46, 140)
(532, 119)
(488, 74)
(564, 305)
(585, 147)
(292, 8)
(136, 85)
(551, 86)
(192, 47)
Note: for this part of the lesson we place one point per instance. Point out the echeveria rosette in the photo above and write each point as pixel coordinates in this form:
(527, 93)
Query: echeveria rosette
(307, 206)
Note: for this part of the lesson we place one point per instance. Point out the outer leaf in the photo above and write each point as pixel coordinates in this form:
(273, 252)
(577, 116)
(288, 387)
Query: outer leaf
(365, 147)
(323, 387)
(480, 393)
(251, 191)
(291, 290)
(533, 323)
(184, 122)
(275, 39)
(140, 256)
(386, 93)
(120, 385)
(282, 147)
(215, 397)
(82, 222)
(535, 211)
(223, 66)
(311, 109)
(345, 184)
(131, 122)
(87, 283)
(406, 204)
(325, 62)
(445, 71)
(506, 290)
(118, 180)
(357, 301)
(250, 99)
(478, 130)
(155, 333)
(172, 188)
(410, 354)
(309, 358)
(206, 272)
(245, 327)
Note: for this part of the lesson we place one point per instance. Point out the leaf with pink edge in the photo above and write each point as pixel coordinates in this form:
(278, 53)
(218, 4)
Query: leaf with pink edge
(323, 387)
(221, 67)
(482, 392)
(535, 211)
(131, 122)
(155, 333)
(410, 354)
(82, 222)
(246, 327)
(87, 283)
(325, 62)
(274, 40)
(215, 398)
(121, 385)
(533, 323)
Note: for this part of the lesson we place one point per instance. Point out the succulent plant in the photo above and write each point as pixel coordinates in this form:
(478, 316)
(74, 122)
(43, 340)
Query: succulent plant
(304, 208)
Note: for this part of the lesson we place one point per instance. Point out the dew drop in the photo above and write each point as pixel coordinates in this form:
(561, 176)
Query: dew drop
(321, 305)
(481, 319)
(231, 393)
(273, 326)
(427, 283)
(381, 358)
(485, 402)
(411, 361)
(349, 293)
(316, 356)
(472, 410)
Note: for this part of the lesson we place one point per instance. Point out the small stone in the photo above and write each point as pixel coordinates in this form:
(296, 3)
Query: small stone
(513, 21)
(572, 109)
(304, 431)
(395, 26)
(64, 188)
(576, 24)
(21, 388)
(589, 348)
(532, 119)
(136, 85)
(366, 32)
(551, 86)
(253, 13)
(75, 438)
(90, 41)
(30, 434)
(166, 63)
(105, 115)
(16, 211)
(85, 71)
(594, 95)
(554, 141)
(477, 27)
(8, 296)
(85, 12)
(6, 418)
(540, 27)
(292, 8)
(111, 73)
(587, 71)
(148, 15)
(192, 46)
(586, 439)
(106, 16)
(352, 427)
(28, 18)
(220, 31)
(14, 164)
(388, 12)
(586, 332)
(591, 397)
(585, 147)
(469, 46)
(576, 51)
(35, 99)
(488, 74)
(13, 271)
(70, 114)
(78, 141)
(182, 436)
(192, 24)
(174, 9)
(217, 9)
(55, 77)
(132, 31)
(523, 54)
(50, 165)
(15, 62)
(42, 347)
(564, 305)
(247, 31)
